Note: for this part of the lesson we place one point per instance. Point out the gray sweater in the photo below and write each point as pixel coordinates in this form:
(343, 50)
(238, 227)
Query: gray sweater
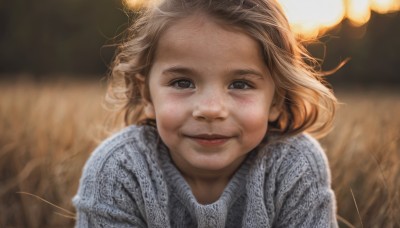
(130, 181)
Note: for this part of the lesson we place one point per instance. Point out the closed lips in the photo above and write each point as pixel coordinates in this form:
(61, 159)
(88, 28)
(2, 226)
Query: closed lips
(209, 137)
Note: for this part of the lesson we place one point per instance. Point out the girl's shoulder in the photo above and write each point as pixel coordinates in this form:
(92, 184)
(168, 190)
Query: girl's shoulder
(134, 135)
(132, 139)
(120, 136)
(299, 153)
(303, 144)
(120, 171)
(131, 147)
(297, 183)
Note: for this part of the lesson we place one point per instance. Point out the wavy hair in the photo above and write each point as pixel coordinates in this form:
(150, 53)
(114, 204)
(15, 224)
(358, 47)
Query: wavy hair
(305, 101)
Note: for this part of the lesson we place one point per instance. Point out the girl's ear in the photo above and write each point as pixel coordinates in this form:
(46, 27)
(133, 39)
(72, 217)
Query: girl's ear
(149, 111)
(276, 106)
(148, 107)
(274, 113)
(141, 82)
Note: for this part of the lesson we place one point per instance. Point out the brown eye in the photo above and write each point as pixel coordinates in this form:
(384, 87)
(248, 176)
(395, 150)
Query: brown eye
(183, 84)
(239, 85)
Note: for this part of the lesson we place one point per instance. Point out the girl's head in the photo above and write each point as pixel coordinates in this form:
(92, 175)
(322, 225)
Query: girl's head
(299, 100)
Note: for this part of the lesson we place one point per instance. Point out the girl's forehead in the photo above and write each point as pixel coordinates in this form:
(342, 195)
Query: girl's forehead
(205, 46)
(205, 32)
(198, 24)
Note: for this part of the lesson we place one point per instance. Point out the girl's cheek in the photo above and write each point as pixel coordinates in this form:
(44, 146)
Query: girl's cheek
(252, 111)
(170, 112)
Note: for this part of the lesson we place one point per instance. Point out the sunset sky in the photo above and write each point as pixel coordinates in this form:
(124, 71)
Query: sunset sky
(310, 18)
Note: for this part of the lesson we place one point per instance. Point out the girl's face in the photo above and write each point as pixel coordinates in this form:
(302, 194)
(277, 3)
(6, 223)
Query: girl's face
(211, 95)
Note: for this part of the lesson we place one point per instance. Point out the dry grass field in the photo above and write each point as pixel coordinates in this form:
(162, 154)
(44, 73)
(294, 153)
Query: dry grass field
(48, 130)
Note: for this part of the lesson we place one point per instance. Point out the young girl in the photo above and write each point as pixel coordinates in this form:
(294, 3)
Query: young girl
(216, 95)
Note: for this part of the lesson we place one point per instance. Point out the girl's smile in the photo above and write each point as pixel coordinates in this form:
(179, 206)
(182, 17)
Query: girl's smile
(210, 140)
(211, 95)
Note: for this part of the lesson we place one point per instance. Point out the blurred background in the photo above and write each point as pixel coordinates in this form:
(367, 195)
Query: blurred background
(45, 38)
(55, 55)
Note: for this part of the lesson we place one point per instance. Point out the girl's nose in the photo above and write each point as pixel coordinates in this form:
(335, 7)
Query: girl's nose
(210, 107)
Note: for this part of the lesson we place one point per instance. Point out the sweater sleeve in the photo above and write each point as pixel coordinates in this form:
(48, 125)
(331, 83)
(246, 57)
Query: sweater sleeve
(108, 195)
(304, 197)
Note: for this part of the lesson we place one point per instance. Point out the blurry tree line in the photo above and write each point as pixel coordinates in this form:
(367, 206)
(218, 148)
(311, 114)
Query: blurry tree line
(373, 50)
(46, 38)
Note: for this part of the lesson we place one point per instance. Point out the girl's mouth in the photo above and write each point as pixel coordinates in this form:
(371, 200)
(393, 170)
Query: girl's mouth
(210, 139)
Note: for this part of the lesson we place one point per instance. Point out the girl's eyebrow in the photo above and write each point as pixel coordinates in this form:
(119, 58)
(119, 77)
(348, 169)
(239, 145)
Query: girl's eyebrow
(179, 70)
(249, 71)
(190, 71)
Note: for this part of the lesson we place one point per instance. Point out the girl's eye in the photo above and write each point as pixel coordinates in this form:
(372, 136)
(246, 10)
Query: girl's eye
(240, 85)
(182, 84)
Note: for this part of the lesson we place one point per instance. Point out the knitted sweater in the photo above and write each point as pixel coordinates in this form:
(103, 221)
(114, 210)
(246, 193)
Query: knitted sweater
(131, 181)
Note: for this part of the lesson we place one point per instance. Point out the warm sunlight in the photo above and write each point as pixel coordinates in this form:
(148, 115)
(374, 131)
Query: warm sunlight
(358, 12)
(310, 18)
(136, 4)
(385, 6)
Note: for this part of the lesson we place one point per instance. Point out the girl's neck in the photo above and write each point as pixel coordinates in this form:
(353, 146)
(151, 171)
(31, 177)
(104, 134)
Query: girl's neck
(207, 191)
(208, 186)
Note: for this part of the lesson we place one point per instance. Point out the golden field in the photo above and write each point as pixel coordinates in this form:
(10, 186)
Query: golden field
(47, 131)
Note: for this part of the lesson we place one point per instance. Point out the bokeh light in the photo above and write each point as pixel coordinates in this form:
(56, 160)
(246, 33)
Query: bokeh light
(385, 6)
(137, 4)
(358, 11)
(310, 18)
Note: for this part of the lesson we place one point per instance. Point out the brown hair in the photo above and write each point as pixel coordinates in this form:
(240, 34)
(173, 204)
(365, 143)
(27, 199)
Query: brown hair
(306, 103)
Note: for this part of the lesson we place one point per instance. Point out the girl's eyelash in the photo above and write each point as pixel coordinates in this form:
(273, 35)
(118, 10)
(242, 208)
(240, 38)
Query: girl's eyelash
(182, 83)
(241, 84)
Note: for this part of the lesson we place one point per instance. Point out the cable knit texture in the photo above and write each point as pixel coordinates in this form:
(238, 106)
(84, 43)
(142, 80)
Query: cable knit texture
(130, 181)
